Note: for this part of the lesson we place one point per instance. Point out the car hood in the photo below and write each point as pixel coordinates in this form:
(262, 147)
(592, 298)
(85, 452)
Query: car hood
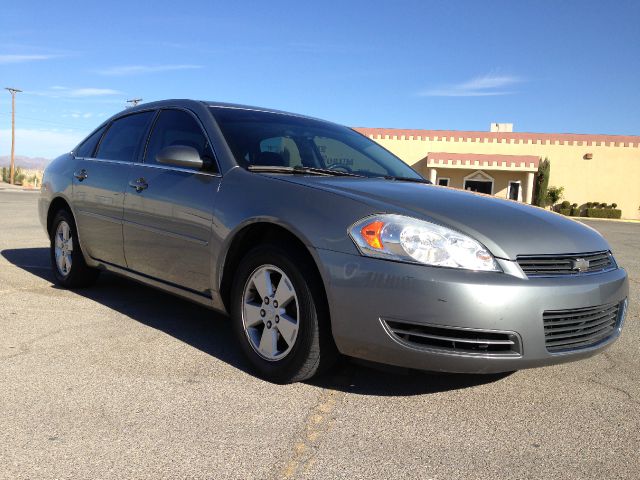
(506, 227)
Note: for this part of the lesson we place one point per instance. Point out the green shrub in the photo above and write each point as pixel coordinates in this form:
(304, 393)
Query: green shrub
(554, 195)
(575, 212)
(603, 213)
(574, 205)
(614, 205)
(565, 204)
(603, 205)
(564, 211)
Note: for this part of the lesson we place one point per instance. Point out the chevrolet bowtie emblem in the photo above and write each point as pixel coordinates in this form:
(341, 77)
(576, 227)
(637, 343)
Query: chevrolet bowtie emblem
(581, 264)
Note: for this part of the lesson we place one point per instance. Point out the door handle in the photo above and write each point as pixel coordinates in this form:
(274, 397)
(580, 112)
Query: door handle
(139, 184)
(81, 174)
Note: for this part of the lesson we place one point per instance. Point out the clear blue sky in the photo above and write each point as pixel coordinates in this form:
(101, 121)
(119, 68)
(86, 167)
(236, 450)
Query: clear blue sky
(546, 66)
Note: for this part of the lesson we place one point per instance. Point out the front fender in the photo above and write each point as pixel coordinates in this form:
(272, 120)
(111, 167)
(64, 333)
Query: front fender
(318, 218)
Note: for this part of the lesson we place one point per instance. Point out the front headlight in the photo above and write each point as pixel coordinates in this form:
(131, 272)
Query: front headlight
(407, 239)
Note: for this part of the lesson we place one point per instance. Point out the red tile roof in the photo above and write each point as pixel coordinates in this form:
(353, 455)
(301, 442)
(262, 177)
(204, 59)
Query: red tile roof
(505, 137)
(446, 158)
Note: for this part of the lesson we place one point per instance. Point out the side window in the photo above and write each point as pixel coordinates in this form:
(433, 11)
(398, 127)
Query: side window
(124, 136)
(282, 151)
(176, 127)
(335, 153)
(86, 148)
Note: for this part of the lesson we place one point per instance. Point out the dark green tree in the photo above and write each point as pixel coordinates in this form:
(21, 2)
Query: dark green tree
(542, 183)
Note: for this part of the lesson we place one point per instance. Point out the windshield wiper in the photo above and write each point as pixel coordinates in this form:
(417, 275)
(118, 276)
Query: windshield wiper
(408, 179)
(299, 169)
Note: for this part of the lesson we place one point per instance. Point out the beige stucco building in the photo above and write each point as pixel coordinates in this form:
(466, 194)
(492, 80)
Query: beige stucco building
(591, 168)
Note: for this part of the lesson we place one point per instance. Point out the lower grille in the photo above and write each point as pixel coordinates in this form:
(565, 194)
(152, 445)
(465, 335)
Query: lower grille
(561, 265)
(455, 339)
(580, 327)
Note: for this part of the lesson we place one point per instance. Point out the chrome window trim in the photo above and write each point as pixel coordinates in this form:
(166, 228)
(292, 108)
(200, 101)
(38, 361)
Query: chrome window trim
(178, 169)
(161, 167)
(106, 160)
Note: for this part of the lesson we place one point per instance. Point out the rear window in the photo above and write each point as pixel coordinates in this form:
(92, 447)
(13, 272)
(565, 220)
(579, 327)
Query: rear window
(124, 137)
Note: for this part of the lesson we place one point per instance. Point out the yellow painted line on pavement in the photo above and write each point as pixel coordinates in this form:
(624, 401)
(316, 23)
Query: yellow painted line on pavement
(317, 423)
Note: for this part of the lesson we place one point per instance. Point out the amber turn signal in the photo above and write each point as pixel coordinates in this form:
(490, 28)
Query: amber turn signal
(371, 234)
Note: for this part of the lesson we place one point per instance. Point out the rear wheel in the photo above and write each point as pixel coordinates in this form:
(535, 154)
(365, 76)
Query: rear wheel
(280, 316)
(69, 268)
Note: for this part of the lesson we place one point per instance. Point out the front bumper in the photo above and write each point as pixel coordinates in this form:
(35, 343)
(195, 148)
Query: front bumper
(364, 292)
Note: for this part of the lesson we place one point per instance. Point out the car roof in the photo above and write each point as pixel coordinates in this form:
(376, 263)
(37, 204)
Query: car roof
(189, 102)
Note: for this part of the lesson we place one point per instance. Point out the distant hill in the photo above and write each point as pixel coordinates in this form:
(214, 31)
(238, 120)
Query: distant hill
(37, 163)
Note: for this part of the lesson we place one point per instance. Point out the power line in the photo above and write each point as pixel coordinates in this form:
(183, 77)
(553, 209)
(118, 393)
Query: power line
(13, 92)
(48, 122)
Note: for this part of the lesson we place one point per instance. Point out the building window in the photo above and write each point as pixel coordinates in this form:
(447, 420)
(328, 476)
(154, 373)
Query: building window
(443, 181)
(515, 191)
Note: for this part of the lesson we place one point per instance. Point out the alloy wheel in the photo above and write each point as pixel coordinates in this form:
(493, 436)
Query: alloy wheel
(63, 248)
(270, 312)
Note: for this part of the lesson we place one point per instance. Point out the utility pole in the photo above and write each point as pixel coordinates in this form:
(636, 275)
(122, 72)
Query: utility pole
(134, 101)
(13, 92)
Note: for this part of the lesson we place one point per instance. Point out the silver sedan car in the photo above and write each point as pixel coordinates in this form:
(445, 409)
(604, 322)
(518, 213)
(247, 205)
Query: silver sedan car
(318, 242)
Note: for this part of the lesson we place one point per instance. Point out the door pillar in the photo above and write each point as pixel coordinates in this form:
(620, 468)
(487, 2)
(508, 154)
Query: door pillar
(433, 175)
(528, 188)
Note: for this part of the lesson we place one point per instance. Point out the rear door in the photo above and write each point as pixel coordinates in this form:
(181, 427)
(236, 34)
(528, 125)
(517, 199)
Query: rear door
(168, 211)
(99, 183)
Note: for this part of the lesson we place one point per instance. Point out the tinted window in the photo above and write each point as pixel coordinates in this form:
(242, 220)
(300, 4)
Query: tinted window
(87, 147)
(177, 127)
(265, 138)
(285, 147)
(122, 140)
(340, 156)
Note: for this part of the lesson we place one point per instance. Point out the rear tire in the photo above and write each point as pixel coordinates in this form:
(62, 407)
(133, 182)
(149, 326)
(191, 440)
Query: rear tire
(67, 261)
(287, 342)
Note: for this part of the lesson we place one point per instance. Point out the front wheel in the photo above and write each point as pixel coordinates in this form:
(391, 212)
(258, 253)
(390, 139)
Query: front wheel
(280, 316)
(67, 261)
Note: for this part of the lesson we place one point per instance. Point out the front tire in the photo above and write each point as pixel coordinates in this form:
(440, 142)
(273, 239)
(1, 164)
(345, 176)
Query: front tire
(280, 316)
(67, 261)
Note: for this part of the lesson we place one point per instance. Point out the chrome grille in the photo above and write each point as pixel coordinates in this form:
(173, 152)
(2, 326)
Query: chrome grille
(455, 339)
(580, 327)
(563, 265)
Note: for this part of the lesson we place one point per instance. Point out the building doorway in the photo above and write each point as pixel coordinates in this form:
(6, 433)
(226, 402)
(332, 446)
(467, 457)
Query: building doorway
(479, 182)
(480, 186)
(515, 191)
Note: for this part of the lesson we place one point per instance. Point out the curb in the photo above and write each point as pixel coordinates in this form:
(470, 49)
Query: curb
(620, 220)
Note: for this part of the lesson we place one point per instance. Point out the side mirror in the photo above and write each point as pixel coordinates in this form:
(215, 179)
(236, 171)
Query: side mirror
(180, 156)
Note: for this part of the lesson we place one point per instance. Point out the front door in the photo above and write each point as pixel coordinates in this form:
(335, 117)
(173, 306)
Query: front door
(168, 211)
(99, 186)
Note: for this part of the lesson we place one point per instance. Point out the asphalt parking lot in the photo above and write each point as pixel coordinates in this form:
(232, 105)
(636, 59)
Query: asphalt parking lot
(122, 381)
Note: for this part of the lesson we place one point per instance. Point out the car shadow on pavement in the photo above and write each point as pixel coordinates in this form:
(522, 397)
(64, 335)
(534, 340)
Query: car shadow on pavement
(211, 333)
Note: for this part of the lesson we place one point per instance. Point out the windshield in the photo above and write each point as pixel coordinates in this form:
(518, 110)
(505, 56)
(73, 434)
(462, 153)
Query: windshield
(280, 140)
